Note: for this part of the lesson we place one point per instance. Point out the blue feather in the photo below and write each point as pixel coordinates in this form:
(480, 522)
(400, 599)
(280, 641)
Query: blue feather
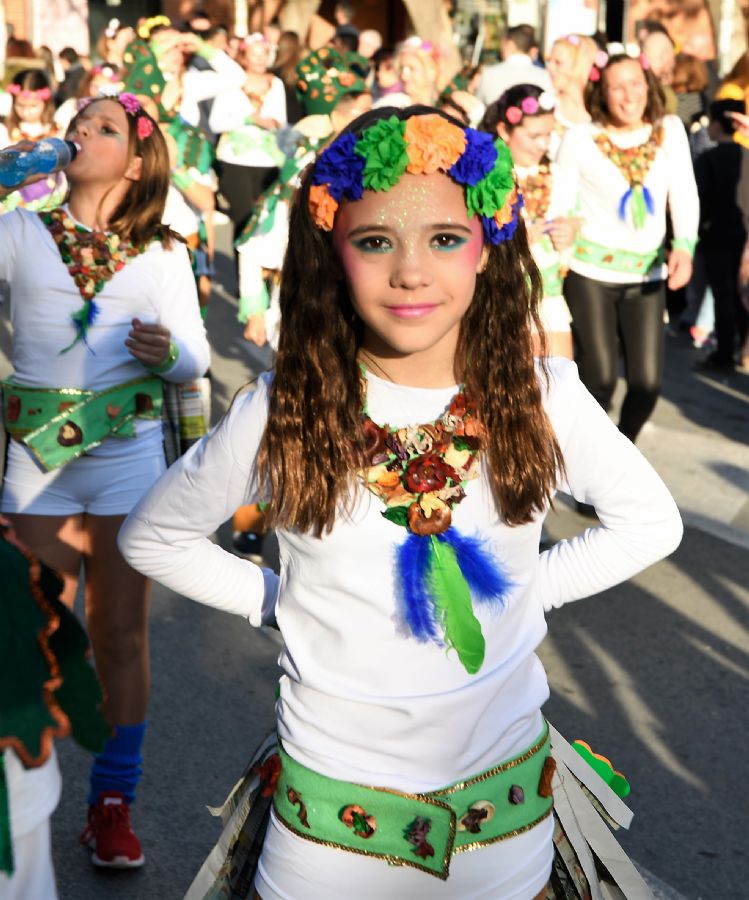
(649, 202)
(623, 204)
(413, 562)
(487, 581)
(92, 312)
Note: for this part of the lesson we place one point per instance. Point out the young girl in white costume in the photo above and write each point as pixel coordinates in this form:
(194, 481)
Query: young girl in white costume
(103, 306)
(625, 169)
(524, 118)
(412, 595)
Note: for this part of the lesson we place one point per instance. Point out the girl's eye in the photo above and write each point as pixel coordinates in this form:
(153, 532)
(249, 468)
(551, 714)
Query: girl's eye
(448, 241)
(373, 244)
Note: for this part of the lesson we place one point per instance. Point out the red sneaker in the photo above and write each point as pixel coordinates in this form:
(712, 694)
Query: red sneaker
(110, 835)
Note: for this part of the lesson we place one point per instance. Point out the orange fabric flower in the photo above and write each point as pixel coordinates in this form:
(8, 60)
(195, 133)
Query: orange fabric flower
(433, 144)
(322, 207)
(504, 215)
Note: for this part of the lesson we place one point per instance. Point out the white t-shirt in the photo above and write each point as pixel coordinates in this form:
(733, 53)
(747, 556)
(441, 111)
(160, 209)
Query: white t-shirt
(360, 699)
(584, 174)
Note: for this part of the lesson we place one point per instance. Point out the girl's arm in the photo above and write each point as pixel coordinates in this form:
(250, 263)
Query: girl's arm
(166, 536)
(177, 310)
(566, 169)
(683, 202)
(223, 75)
(640, 523)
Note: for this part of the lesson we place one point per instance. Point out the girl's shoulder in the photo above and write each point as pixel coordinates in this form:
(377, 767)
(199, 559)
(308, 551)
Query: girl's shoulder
(673, 129)
(560, 383)
(246, 417)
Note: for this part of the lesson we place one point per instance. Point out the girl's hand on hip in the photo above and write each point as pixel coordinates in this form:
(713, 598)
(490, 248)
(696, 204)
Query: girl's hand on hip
(679, 269)
(562, 233)
(149, 343)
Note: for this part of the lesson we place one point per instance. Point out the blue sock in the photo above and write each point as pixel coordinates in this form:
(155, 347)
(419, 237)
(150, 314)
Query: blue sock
(118, 766)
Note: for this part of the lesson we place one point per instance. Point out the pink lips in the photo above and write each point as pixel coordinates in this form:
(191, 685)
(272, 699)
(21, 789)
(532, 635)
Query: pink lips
(412, 311)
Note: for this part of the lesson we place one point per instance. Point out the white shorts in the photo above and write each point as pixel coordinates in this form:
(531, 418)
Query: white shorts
(555, 314)
(291, 868)
(102, 485)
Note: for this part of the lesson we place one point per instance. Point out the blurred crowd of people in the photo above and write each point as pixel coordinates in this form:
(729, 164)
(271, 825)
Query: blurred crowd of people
(244, 115)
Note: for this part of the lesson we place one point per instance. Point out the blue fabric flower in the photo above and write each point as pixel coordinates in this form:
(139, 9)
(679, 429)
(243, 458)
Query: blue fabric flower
(477, 160)
(341, 169)
(493, 233)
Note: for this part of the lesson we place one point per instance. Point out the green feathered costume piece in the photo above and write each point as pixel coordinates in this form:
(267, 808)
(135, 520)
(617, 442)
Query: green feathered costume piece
(48, 688)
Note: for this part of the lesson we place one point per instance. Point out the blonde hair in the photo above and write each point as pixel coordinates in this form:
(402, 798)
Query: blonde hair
(582, 50)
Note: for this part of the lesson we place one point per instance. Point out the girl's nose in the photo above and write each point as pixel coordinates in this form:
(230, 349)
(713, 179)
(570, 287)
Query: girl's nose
(410, 272)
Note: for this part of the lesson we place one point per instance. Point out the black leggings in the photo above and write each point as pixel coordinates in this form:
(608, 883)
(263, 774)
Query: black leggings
(241, 186)
(633, 313)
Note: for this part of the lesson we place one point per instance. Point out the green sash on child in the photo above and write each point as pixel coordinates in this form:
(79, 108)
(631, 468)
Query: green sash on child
(60, 424)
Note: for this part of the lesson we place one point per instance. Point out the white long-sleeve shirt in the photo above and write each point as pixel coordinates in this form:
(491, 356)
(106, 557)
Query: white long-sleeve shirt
(586, 176)
(157, 287)
(201, 84)
(361, 699)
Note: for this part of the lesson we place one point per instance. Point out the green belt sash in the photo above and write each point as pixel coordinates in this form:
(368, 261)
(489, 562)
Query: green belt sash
(419, 830)
(60, 424)
(617, 260)
(553, 282)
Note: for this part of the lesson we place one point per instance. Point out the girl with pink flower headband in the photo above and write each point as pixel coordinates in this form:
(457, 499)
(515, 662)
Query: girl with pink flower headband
(404, 445)
(104, 309)
(32, 118)
(524, 118)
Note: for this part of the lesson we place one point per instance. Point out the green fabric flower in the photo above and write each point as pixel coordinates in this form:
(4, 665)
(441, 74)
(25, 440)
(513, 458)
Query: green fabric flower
(383, 146)
(488, 195)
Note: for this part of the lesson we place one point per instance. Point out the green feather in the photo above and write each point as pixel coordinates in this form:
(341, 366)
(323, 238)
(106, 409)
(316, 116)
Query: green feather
(639, 210)
(452, 600)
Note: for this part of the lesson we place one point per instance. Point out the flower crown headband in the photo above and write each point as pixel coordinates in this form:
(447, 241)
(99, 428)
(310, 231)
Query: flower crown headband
(376, 159)
(601, 59)
(42, 94)
(531, 106)
(131, 104)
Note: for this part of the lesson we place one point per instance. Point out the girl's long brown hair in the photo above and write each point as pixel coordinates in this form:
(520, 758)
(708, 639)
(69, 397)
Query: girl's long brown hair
(137, 217)
(312, 445)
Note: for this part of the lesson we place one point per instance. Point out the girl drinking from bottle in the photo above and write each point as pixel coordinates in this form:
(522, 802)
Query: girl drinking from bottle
(103, 307)
(408, 447)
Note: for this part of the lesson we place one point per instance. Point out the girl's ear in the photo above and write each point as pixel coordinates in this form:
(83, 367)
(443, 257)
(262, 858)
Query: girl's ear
(503, 131)
(133, 171)
(483, 260)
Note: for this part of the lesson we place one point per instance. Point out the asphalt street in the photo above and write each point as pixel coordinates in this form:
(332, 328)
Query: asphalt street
(653, 673)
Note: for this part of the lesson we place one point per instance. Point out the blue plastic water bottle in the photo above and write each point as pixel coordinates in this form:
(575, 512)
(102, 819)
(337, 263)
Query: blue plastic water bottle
(47, 156)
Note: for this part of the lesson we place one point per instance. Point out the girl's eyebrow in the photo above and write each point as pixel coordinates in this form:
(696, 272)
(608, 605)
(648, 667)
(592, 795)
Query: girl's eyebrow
(436, 226)
(103, 116)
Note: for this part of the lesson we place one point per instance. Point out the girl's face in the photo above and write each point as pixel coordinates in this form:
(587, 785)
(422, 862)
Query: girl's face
(102, 130)
(411, 256)
(29, 109)
(257, 56)
(626, 93)
(529, 141)
(559, 66)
